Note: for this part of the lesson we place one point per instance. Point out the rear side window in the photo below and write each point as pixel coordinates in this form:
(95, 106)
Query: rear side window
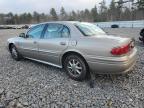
(36, 31)
(65, 32)
(88, 29)
(56, 31)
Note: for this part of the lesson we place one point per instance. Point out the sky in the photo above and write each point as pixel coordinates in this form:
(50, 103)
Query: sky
(21, 6)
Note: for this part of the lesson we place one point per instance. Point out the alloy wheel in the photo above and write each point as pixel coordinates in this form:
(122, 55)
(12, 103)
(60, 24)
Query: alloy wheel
(74, 67)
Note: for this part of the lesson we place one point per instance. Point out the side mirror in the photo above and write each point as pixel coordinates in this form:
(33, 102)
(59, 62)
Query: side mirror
(22, 35)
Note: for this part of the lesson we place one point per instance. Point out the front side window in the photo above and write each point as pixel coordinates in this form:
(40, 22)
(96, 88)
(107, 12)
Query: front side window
(36, 31)
(88, 29)
(56, 31)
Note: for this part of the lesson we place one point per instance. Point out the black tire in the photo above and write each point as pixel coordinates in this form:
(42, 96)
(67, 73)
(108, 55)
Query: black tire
(14, 53)
(142, 33)
(77, 72)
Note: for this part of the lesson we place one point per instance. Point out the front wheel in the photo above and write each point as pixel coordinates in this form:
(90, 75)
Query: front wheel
(75, 67)
(14, 53)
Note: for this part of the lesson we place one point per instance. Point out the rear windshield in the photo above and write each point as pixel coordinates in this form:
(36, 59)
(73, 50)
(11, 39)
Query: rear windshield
(88, 29)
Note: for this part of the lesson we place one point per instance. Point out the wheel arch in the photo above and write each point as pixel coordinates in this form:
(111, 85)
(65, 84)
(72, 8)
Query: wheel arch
(75, 53)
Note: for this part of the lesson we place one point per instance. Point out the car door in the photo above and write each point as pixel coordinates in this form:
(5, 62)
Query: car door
(29, 45)
(55, 41)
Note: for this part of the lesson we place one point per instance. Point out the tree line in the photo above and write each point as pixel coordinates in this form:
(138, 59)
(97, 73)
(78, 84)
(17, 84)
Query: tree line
(117, 11)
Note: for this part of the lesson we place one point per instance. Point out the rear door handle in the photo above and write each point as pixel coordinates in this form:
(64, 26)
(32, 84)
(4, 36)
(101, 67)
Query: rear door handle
(62, 43)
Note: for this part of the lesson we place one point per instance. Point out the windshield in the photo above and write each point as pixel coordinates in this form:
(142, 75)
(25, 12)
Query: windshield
(88, 29)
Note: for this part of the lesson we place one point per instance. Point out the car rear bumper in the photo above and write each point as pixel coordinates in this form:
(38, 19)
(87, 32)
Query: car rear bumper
(113, 66)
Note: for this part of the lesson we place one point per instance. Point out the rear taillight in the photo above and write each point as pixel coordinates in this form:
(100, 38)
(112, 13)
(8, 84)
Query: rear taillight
(122, 50)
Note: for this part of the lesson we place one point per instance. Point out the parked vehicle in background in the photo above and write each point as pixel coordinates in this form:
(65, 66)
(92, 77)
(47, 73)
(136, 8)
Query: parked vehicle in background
(5, 27)
(114, 26)
(141, 38)
(14, 26)
(25, 27)
(78, 47)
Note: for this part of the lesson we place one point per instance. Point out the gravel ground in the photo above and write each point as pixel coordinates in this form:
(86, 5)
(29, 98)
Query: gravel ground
(28, 84)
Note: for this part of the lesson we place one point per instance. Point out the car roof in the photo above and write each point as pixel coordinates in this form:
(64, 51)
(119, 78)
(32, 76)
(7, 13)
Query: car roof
(60, 22)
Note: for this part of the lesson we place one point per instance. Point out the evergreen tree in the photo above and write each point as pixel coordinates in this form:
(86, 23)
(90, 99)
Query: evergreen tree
(16, 18)
(103, 11)
(141, 4)
(53, 14)
(36, 17)
(94, 14)
(112, 10)
(115, 11)
(72, 16)
(63, 14)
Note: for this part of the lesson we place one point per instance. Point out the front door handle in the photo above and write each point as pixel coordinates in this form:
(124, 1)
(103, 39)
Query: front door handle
(62, 43)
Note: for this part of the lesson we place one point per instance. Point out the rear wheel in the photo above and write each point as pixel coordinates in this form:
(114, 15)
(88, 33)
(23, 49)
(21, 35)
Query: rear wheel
(14, 53)
(75, 67)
